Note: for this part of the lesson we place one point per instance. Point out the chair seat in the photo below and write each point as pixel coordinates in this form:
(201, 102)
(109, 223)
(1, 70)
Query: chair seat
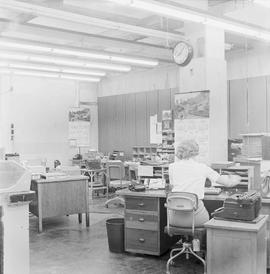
(184, 231)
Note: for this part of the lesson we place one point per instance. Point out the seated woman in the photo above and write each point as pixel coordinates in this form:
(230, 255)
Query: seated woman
(188, 175)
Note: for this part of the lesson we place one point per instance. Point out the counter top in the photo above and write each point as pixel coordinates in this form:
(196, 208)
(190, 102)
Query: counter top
(240, 226)
(61, 179)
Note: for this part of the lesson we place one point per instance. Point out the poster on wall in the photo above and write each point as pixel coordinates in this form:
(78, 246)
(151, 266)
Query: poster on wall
(79, 126)
(191, 116)
(155, 130)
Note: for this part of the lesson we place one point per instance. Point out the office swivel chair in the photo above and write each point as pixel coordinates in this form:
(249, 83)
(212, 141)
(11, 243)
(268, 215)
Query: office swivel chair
(187, 204)
(116, 173)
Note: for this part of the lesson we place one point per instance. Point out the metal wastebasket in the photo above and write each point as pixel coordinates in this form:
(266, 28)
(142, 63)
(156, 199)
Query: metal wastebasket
(115, 233)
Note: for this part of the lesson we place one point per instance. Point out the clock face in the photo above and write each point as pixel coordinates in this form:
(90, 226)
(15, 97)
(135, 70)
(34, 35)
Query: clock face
(182, 53)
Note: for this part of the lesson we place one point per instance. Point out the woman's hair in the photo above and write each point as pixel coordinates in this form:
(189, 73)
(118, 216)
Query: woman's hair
(187, 149)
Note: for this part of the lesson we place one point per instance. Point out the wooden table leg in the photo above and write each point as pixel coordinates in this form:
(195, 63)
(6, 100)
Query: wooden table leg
(40, 224)
(80, 218)
(87, 219)
(39, 208)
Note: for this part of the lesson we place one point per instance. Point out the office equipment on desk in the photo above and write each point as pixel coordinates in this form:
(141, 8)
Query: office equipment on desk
(212, 190)
(256, 164)
(256, 145)
(236, 247)
(141, 153)
(12, 156)
(245, 172)
(187, 203)
(156, 183)
(245, 207)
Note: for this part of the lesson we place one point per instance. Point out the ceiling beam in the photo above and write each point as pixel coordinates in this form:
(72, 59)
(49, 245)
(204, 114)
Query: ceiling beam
(31, 30)
(57, 13)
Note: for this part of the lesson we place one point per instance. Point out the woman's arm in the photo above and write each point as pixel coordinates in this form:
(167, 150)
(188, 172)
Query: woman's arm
(225, 180)
(229, 180)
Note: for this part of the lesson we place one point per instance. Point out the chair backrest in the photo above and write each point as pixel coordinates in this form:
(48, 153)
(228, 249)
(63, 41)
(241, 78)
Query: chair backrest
(184, 202)
(116, 169)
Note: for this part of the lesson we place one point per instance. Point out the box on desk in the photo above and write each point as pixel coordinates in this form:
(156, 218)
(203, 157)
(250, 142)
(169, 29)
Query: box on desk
(256, 145)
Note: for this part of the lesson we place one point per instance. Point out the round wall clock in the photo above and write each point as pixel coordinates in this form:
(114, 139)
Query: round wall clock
(182, 53)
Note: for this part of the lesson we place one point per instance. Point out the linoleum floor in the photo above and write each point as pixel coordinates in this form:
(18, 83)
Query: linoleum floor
(67, 247)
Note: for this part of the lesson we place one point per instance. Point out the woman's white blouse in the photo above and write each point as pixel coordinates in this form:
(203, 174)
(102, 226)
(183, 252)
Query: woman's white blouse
(189, 176)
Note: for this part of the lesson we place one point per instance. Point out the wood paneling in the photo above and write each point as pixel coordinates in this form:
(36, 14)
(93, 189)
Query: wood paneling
(249, 106)
(140, 122)
(257, 104)
(238, 108)
(124, 119)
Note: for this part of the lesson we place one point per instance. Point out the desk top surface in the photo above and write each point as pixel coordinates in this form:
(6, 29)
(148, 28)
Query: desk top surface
(160, 193)
(236, 226)
(66, 178)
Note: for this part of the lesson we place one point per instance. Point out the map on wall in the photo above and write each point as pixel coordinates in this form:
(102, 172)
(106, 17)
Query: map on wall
(191, 120)
(79, 126)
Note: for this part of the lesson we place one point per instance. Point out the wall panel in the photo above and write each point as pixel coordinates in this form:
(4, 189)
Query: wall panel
(140, 121)
(125, 119)
(151, 109)
(257, 104)
(238, 114)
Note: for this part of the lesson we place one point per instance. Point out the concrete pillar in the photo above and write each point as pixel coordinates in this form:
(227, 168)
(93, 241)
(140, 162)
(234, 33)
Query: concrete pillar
(207, 71)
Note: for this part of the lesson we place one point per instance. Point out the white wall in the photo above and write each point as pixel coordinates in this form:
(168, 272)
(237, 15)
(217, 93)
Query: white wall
(253, 63)
(38, 107)
(140, 81)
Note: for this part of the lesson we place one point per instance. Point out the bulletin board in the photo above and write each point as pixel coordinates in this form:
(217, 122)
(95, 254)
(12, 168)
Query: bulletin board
(191, 120)
(79, 126)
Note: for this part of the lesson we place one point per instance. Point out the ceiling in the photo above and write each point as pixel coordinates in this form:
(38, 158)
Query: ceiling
(104, 26)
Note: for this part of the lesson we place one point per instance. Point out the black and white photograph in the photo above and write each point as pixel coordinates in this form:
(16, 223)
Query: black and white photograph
(134, 136)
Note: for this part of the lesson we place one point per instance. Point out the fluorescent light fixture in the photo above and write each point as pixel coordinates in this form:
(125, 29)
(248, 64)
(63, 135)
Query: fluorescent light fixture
(107, 57)
(80, 78)
(189, 15)
(264, 3)
(86, 72)
(50, 75)
(33, 66)
(162, 9)
(51, 48)
(11, 44)
(63, 61)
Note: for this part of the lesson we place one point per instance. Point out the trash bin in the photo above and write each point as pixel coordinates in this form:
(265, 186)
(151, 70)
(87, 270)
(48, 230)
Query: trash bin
(115, 233)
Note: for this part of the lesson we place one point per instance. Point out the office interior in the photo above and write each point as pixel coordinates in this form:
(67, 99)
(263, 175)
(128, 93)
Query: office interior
(93, 98)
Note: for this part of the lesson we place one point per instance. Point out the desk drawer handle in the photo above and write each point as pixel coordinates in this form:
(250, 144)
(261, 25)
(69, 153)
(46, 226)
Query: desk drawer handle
(141, 220)
(141, 204)
(141, 240)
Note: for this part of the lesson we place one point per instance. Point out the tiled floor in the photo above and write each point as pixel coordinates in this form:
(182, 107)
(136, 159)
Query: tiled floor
(67, 247)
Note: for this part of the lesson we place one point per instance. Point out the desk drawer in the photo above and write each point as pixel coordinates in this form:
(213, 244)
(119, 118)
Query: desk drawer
(142, 203)
(141, 221)
(141, 240)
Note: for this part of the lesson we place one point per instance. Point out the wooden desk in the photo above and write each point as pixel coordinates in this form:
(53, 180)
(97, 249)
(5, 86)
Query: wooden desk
(236, 247)
(145, 219)
(60, 196)
(211, 202)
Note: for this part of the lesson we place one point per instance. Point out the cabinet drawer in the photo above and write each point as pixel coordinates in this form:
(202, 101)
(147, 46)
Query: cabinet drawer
(141, 221)
(137, 239)
(142, 203)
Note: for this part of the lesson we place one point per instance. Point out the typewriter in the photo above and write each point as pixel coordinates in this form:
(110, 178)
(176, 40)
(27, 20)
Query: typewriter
(244, 207)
